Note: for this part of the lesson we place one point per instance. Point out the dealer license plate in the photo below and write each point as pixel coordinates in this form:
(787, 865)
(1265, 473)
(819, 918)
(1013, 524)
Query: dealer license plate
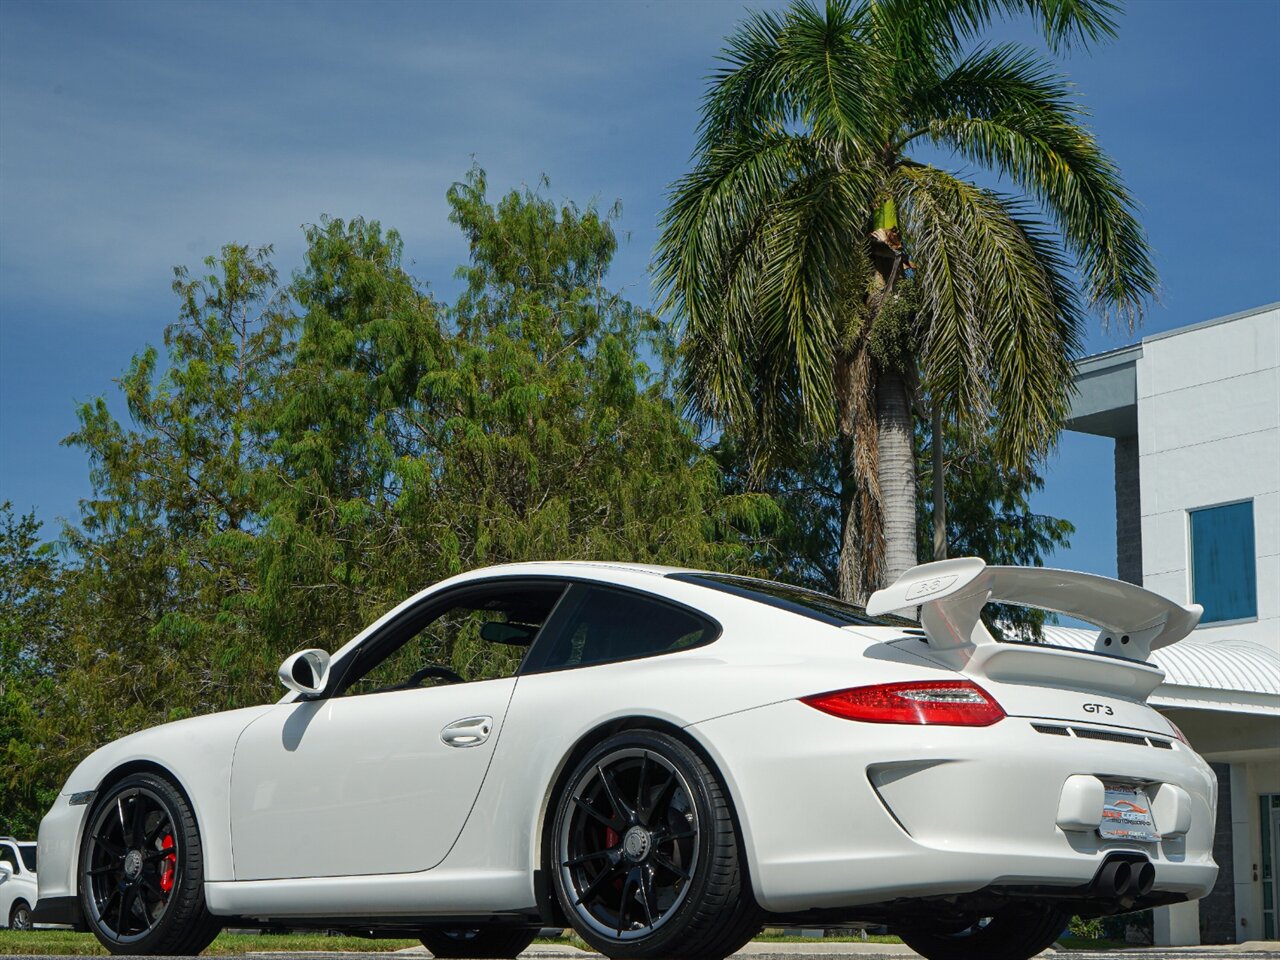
(1126, 814)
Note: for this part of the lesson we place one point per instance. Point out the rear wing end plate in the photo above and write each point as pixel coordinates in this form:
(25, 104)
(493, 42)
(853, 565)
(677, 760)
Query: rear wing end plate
(950, 595)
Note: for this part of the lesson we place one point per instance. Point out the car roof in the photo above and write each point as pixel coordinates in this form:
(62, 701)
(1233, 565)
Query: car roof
(657, 570)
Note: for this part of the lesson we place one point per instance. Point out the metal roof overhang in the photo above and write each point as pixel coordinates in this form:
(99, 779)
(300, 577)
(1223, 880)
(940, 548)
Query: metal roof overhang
(1230, 676)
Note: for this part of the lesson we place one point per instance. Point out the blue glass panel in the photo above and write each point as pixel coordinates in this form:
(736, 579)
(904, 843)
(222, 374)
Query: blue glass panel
(1224, 577)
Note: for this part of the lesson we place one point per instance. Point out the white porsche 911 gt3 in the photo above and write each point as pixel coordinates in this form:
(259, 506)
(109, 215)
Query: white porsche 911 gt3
(679, 758)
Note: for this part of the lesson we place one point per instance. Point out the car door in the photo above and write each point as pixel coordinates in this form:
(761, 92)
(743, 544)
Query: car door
(378, 777)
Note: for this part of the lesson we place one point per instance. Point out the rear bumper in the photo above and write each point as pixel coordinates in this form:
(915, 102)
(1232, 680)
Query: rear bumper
(837, 813)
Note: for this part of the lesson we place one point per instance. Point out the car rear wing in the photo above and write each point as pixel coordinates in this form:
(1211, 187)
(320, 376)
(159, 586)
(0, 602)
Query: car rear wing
(950, 595)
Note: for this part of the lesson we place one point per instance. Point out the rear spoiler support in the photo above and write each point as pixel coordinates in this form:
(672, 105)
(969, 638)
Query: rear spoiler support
(950, 595)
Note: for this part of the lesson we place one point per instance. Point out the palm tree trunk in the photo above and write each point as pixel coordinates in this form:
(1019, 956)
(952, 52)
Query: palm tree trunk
(849, 572)
(897, 462)
(861, 537)
(939, 487)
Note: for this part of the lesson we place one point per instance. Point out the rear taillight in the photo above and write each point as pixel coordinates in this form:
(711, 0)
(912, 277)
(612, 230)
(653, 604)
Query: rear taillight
(956, 703)
(1177, 732)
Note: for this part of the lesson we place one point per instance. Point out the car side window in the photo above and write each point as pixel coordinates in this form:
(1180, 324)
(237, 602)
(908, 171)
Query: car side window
(9, 857)
(605, 626)
(28, 852)
(483, 634)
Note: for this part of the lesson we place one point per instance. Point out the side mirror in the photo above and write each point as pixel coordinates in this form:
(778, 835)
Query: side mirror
(5, 872)
(306, 672)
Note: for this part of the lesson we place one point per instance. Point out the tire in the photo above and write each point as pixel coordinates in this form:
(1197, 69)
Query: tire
(478, 943)
(141, 871)
(1015, 933)
(645, 858)
(20, 917)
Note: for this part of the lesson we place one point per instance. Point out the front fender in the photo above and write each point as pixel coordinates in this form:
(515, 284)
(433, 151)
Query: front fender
(196, 754)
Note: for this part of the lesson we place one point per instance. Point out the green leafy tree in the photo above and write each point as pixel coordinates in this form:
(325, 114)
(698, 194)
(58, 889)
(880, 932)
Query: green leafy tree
(519, 423)
(30, 609)
(785, 251)
(343, 438)
(301, 458)
(160, 615)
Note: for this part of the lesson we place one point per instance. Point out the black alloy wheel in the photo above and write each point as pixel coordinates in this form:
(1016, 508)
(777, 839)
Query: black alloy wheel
(646, 858)
(20, 917)
(478, 943)
(141, 871)
(1017, 932)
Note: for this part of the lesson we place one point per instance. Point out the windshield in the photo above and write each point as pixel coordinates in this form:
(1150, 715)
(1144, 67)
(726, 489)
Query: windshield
(784, 596)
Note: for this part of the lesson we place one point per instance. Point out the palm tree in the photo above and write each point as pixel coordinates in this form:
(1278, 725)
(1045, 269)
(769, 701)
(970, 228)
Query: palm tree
(826, 280)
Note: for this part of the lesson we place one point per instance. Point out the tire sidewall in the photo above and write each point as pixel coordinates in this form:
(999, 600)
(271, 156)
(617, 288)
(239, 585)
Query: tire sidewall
(686, 761)
(186, 872)
(18, 909)
(1017, 932)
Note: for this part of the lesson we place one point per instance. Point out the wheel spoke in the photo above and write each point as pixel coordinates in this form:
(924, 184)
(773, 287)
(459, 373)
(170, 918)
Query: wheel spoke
(111, 847)
(137, 826)
(646, 885)
(641, 779)
(588, 857)
(662, 799)
(611, 790)
(104, 903)
(628, 891)
(666, 864)
(105, 868)
(125, 897)
(606, 874)
(592, 811)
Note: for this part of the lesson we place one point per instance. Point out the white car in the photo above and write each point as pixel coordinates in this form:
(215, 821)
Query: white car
(17, 883)
(677, 758)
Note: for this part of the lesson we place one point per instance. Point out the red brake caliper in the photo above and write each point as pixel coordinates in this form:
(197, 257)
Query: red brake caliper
(167, 864)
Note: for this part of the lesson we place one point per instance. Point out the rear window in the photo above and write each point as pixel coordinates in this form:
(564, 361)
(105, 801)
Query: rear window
(602, 625)
(784, 596)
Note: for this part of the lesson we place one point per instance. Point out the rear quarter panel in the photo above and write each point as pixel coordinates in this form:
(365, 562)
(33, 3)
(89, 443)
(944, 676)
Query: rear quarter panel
(763, 656)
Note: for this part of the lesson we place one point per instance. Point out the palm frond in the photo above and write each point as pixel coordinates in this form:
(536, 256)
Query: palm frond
(809, 67)
(1004, 344)
(930, 25)
(989, 82)
(1009, 110)
(758, 248)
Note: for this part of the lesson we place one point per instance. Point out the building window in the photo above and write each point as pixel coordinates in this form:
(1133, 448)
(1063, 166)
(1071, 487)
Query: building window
(1224, 577)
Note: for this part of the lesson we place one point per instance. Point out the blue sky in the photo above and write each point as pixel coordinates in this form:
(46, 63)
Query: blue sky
(137, 136)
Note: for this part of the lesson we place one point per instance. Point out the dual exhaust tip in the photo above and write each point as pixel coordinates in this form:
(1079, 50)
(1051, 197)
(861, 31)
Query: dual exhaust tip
(1125, 880)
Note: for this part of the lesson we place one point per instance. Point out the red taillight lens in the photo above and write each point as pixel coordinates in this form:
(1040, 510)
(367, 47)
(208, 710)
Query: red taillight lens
(956, 703)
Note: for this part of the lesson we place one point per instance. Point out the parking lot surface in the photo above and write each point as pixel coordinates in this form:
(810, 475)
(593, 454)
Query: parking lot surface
(828, 951)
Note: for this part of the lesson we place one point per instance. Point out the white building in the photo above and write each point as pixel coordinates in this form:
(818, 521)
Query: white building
(1195, 414)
